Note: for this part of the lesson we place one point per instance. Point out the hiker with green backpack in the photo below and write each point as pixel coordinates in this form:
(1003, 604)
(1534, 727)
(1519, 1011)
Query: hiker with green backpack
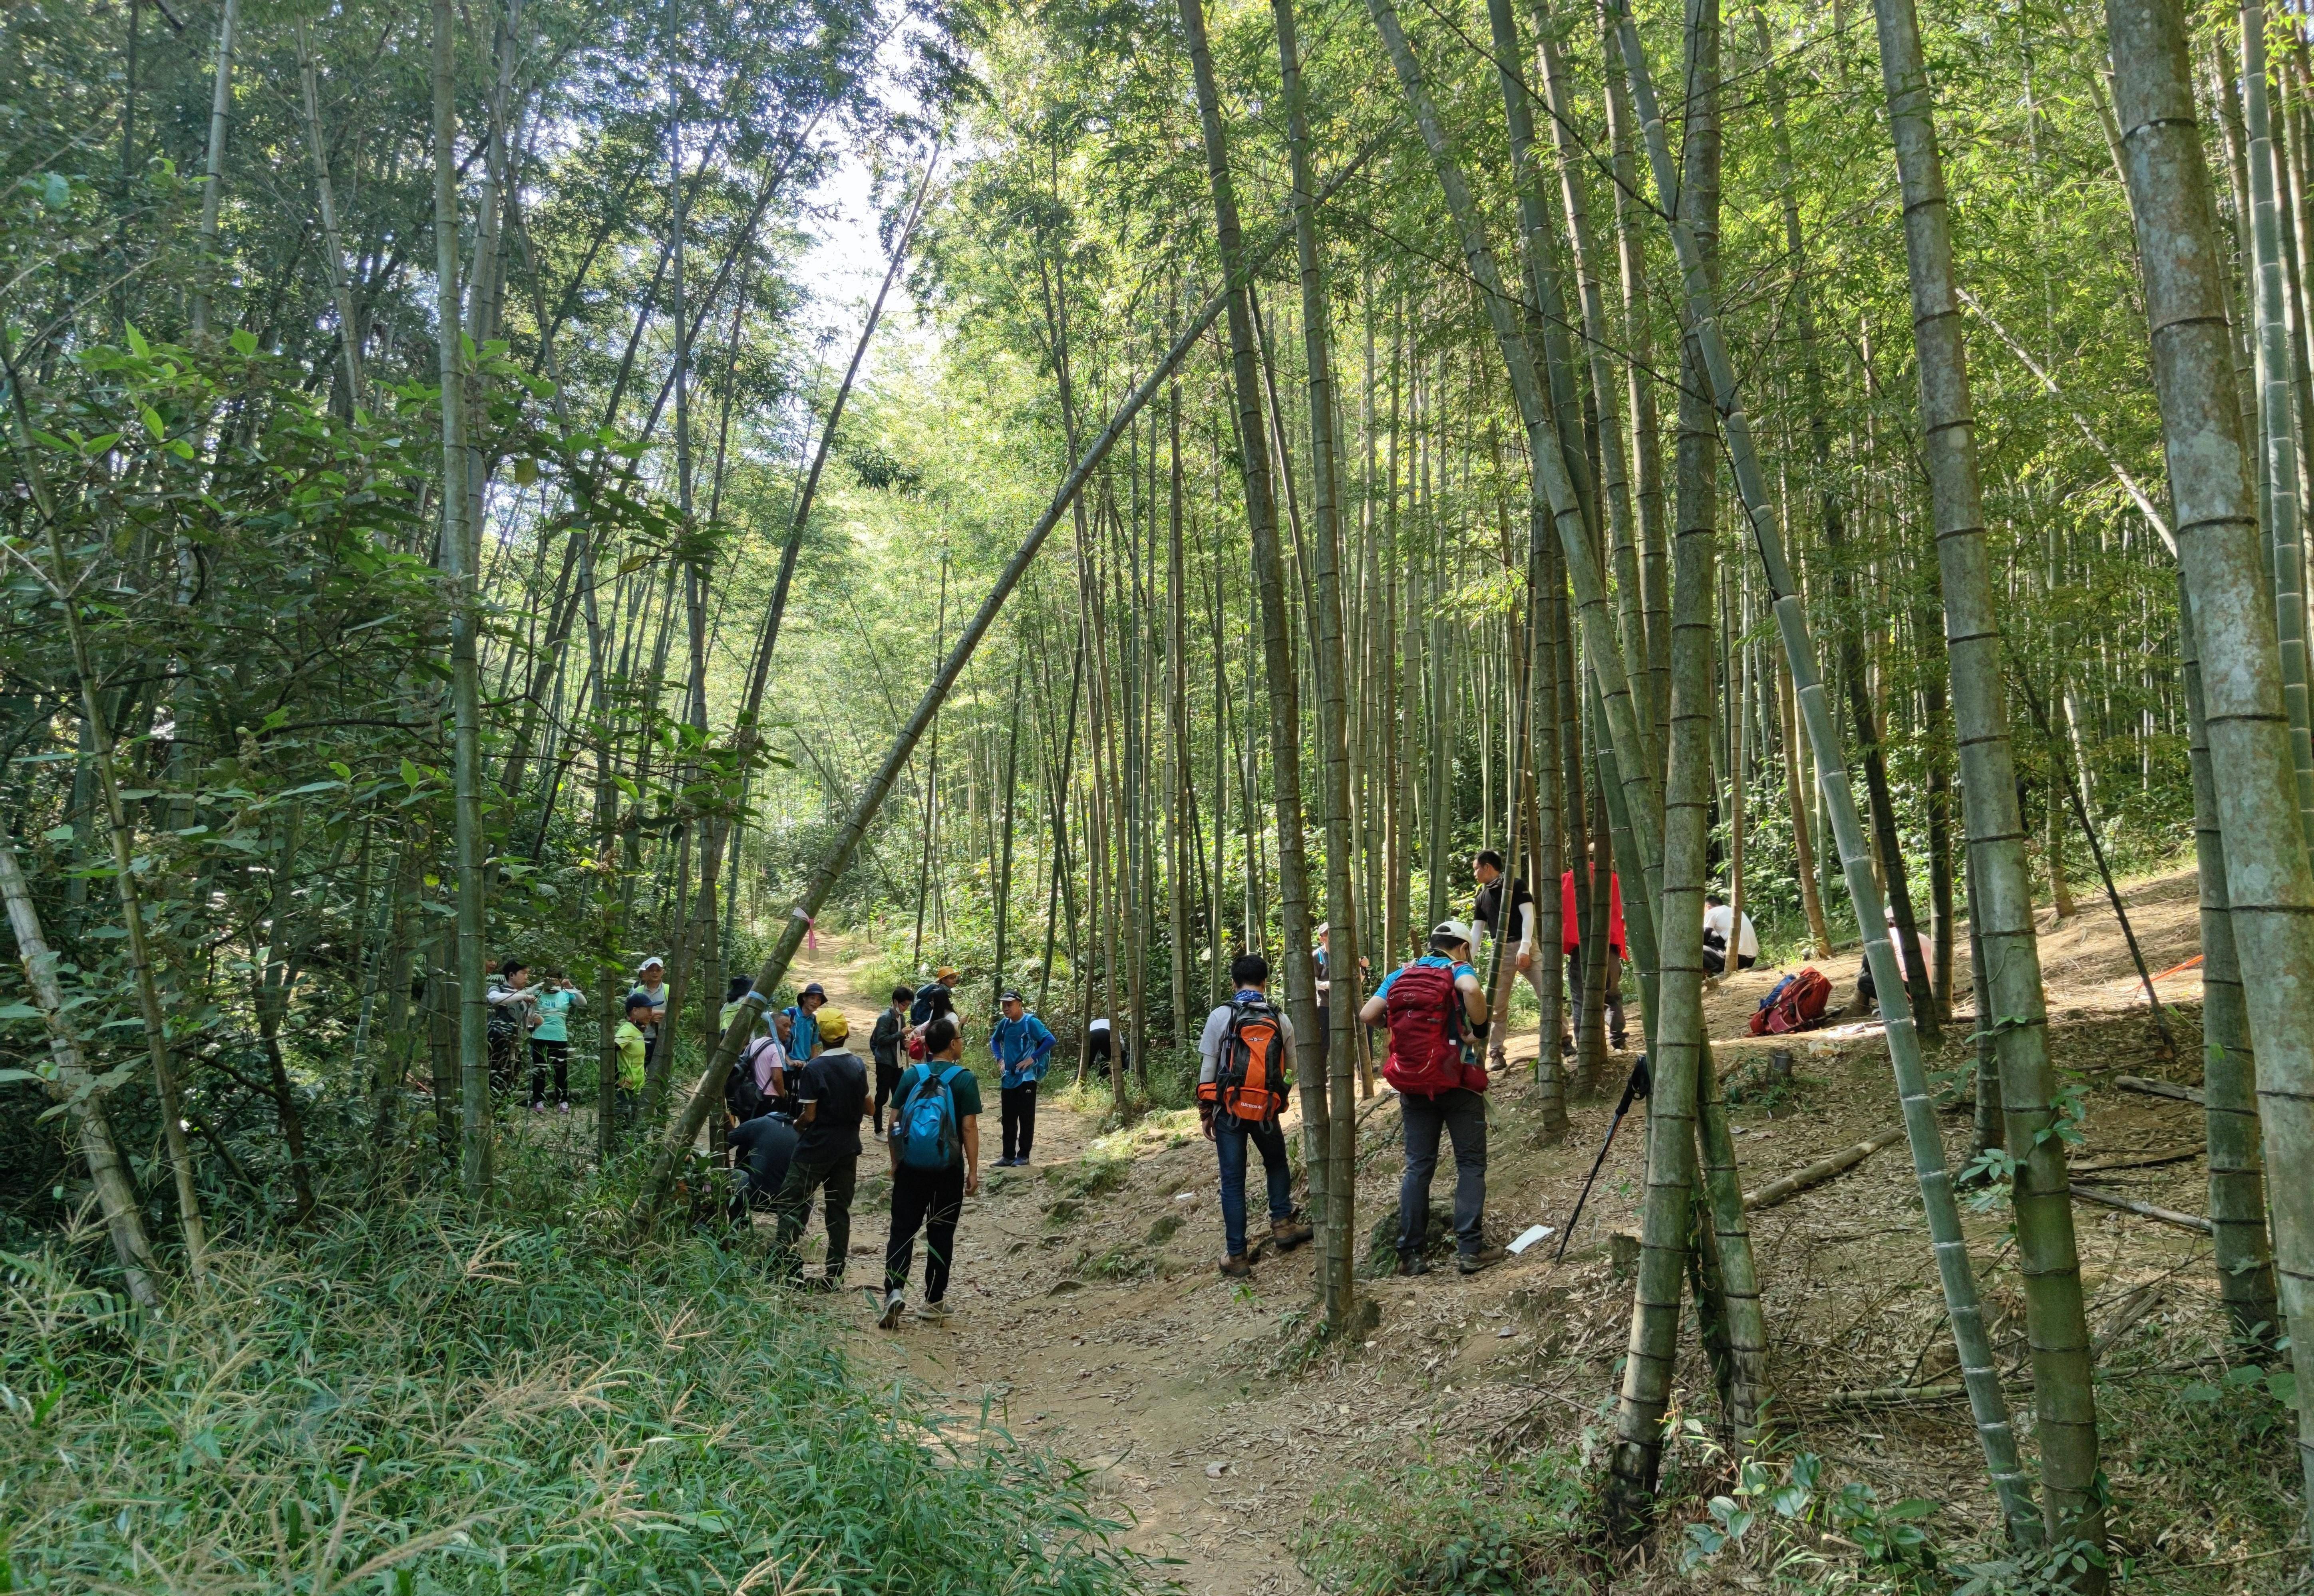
(935, 1150)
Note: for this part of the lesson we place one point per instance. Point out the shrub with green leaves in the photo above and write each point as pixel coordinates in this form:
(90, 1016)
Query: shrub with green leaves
(434, 1404)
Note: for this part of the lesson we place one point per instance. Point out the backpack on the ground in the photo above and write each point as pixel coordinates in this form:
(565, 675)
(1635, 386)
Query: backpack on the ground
(1426, 1033)
(927, 1134)
(1795, 1003)
(746, 1099)
(1249, 1073)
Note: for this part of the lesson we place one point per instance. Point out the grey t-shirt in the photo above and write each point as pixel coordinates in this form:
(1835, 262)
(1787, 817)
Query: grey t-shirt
(1217, 1023)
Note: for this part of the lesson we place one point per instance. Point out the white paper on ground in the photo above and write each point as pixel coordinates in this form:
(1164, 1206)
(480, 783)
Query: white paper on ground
(1532, 1234)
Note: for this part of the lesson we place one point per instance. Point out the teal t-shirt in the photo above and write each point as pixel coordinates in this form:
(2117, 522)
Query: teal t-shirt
(965, 1088)
(555, 1016)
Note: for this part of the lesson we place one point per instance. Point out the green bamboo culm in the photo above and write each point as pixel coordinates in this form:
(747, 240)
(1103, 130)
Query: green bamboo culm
(1987, 1404)
(2056, 1319)
(2269, 883)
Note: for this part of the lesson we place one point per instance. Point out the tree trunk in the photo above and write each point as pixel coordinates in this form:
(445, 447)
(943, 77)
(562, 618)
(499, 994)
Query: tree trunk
(1331, 669)
(116, 1192)
(1960, 1281)
(2244, 1254)
(2269, 883)
(2056, 1323)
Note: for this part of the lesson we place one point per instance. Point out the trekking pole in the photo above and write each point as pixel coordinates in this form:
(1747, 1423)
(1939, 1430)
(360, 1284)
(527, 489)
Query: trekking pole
(1635, 1088)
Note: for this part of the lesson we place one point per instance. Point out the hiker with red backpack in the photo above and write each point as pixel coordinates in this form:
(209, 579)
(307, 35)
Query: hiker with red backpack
(1242, 1086)
(1570, 936)
(1436, 1012)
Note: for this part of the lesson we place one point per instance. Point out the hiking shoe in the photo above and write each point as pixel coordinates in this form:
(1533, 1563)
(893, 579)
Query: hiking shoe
(938, 1312)
(1486, 1258)
(895, 1305)
(1286, 1234)
(1237, 1266)
(565, 1107)
(538, 1107)
(1411, 1264)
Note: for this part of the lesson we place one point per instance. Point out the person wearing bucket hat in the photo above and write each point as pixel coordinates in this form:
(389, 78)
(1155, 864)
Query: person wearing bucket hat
(802, 1016)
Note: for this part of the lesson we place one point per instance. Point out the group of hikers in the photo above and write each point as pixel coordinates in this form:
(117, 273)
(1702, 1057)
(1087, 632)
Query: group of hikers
(797, 1094)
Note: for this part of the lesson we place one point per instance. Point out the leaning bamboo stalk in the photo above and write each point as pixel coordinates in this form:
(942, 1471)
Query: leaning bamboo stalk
(2056, 1315)
(116, 1193)
(2269, 882)
(340, 286)
(213, 173)
(1988, 1406)
(685, 1127)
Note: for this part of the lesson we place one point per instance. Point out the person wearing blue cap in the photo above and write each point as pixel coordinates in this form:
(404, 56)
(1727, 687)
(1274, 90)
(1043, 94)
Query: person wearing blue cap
(1020, 1044)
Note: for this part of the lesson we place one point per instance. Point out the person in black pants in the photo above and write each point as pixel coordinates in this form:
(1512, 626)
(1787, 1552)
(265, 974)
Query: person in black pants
(932, 1198)
(831, 1098)
(886, 1043)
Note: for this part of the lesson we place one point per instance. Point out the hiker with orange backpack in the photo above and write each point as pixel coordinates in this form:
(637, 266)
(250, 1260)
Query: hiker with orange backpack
(1242, 1086)
(1436, 1012)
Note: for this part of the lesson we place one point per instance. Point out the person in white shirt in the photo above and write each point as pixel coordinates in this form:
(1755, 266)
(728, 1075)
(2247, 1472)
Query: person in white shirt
(1718, 923)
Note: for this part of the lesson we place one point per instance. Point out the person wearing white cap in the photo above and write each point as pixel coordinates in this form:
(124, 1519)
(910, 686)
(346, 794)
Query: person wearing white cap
(650, 982)
(1436, 1012)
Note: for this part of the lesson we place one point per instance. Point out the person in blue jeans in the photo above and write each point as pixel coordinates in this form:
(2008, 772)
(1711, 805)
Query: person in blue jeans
(1021, 1046)
(1230, 1132)
(1458, 1111)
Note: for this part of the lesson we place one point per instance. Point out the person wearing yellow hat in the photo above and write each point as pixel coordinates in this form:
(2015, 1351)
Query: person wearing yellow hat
(943, 979)
(831, 1096)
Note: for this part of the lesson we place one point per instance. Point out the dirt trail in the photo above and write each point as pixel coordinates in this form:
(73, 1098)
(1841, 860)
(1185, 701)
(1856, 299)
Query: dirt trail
(1090, 1320)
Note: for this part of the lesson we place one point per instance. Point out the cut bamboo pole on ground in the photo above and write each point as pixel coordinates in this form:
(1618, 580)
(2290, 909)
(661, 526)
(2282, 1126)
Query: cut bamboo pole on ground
(2167, 1216)
(2159, 1088)
(1814, 1174)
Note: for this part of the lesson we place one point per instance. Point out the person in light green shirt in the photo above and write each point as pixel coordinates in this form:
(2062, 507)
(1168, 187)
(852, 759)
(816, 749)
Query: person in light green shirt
(550, 1039)
(632, 1049)
(741, 985)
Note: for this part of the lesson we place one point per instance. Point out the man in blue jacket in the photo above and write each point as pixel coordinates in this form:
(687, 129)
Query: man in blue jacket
(1019, 1044)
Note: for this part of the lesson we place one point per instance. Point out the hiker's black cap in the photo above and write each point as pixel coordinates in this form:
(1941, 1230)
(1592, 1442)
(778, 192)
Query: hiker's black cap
(814, 990)
(1015, 996)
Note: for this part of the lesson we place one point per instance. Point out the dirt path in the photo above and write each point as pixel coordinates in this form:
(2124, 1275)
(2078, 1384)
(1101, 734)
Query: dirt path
(1090, 1320)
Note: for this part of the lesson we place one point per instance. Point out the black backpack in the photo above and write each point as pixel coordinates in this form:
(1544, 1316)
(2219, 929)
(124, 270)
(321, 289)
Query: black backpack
(920, 1012)
(741, 1095)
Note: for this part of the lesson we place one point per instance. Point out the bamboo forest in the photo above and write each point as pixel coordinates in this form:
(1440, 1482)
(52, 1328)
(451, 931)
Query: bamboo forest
(831, 796)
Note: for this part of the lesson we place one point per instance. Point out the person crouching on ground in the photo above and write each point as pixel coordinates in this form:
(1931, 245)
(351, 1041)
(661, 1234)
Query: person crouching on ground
(1021, 1046)
(1436, 1012)
(1242, 1086)
(830, 1098)
(935, 1149)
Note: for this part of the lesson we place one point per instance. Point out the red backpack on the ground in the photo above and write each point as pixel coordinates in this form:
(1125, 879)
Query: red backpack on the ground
(1251, 1067)
(1426, 1033)
(1795, 1003)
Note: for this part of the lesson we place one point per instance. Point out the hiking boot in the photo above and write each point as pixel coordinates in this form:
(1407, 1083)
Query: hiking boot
(1410, 1264)
(1286, 1234)
(539, 1106)
(1237, 1266)
(564, 1108)
(938, 1312)
(895, 1305)
(1486, 1258)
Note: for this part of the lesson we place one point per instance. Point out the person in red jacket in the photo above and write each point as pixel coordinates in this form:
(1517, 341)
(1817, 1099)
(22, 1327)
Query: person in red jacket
(1570, 936)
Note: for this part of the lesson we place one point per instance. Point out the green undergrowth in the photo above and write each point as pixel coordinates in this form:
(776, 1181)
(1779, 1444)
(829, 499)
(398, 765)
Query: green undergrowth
(1457, 1528)
(431, 1404)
